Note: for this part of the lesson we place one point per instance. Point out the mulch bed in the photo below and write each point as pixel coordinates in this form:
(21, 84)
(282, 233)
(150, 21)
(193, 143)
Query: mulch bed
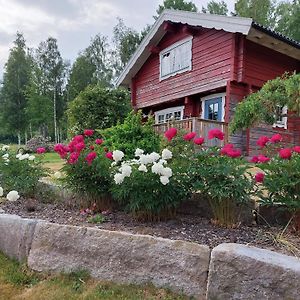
(183, 227)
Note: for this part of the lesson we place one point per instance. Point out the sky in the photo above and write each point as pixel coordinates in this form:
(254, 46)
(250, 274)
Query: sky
(71, 22)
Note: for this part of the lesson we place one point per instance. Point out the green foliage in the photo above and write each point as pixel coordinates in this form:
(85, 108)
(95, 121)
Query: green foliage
(215, 7)
(176, 4)
(97, 107)
(261, 106)
(20, 175)
(224, 181)
(96, 219)
(282, 182)
(132, 134)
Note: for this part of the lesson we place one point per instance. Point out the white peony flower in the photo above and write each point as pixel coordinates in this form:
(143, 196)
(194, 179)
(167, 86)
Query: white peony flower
(142, 168)
(118, 155)
(154, 156)
(166, 154)
(5, 148)
(164, 180)
(1, 191)
(167, 172)
(24, 156)
(157, 168)
(119, 178)
(138, 152)
(13, 196)
(145, 159)
(18, 155)
(162, 161)
(5, 156)
(126, 170)
(31, 157)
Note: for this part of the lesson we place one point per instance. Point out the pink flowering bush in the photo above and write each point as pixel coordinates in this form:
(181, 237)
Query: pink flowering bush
(87, 168)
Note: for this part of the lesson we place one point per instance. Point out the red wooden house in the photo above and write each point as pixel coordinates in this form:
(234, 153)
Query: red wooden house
(195, 68)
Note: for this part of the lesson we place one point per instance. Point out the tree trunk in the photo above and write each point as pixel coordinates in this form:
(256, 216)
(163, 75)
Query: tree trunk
(25, 137)
(19, 139)
(54, 114)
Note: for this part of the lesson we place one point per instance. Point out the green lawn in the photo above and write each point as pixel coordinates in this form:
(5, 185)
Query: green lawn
(17, 282)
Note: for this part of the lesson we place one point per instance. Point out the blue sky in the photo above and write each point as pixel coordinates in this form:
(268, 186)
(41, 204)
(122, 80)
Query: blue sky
(72, 22)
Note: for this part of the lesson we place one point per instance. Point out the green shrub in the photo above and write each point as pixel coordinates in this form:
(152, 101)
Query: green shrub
(97, 107)
(132, 134)
(20, 172)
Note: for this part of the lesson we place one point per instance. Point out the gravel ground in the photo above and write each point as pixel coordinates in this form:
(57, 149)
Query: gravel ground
(184, 227)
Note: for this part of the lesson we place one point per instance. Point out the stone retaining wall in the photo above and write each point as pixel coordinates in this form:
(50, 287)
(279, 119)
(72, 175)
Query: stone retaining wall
(235, 271)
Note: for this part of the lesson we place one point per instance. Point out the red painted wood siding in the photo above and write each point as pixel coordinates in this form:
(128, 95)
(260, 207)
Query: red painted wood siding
(263, 64)
(211, 60)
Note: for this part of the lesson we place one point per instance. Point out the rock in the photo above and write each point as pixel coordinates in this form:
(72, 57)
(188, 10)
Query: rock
(16, 235)
(121, 257)
(243, 272)
(2, 211)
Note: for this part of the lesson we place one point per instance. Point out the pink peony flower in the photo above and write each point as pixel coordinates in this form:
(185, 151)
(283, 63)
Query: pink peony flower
(109, 155)
(99, 141)
(276, 138)
(254, 159)
(216, 133)
(285, 153)
(92, 147)
(234, 153)
(259, 177)
(73, 158)
(262, 141)
(262, 159)
(79, 147)
(78, 139)
(226, 148)
(189, 136)
(88, 132)
(40, 150)
(90, 157)
(199, 141)
(171, 133)
(296, 149)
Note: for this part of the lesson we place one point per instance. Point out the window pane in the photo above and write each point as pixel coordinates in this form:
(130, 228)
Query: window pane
(177, 115)
(161, 119)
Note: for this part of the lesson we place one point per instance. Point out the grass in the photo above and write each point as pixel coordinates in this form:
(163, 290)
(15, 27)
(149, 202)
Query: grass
(53, 161)
(18, 282)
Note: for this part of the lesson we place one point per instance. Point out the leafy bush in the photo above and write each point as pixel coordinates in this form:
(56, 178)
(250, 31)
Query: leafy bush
(97, 107)
(150, 186)
(132, 134)
(20, 172)
(87, 169)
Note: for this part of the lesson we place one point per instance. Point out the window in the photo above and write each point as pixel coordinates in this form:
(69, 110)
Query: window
(281, 117)
(165, 115)
(176, 58)
(213, 107)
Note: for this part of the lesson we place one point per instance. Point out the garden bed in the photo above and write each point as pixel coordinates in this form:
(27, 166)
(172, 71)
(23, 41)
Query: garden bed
(184, 227)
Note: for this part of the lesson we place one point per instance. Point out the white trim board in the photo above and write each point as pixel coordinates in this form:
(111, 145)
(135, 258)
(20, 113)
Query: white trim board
(213, 96)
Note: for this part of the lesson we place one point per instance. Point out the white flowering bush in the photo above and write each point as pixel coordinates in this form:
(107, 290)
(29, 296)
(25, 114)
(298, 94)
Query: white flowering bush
(19, 172)
(151, 185)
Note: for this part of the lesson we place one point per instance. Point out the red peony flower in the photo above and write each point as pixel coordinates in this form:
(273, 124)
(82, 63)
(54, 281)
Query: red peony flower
(73, 158)
(88, 132)
(90, 157)
(99, 141)
(262, 141)
(40, 150)
(78, 139)
(216, 133)
(171, 133)
(189, 136)
(226, 148)
(254, 159)
(276, 138)
(259, 177)
(234, 153)
(92, 147)
(285, 153)
(109, 155)
(296, 149)
(199, 141)
(262, 159)
(79, 147)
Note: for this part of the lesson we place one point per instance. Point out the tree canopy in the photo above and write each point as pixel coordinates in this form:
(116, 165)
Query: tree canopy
(176, 4)
(261, 107)
(215, 7)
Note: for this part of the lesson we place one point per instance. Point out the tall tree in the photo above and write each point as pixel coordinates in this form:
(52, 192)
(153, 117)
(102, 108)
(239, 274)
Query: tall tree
(176, 4)
(215, 7)
(262, 11)
(52, 68)
(15, 80)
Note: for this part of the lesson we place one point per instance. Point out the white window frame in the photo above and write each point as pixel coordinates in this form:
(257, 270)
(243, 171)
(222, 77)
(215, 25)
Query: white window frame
(283, 123)
(168, 111)
(168, 49)
(212, 96)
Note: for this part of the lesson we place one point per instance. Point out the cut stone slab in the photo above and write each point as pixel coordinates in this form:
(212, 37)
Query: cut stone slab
(244, 272)
(121, 257)
(16, 235)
